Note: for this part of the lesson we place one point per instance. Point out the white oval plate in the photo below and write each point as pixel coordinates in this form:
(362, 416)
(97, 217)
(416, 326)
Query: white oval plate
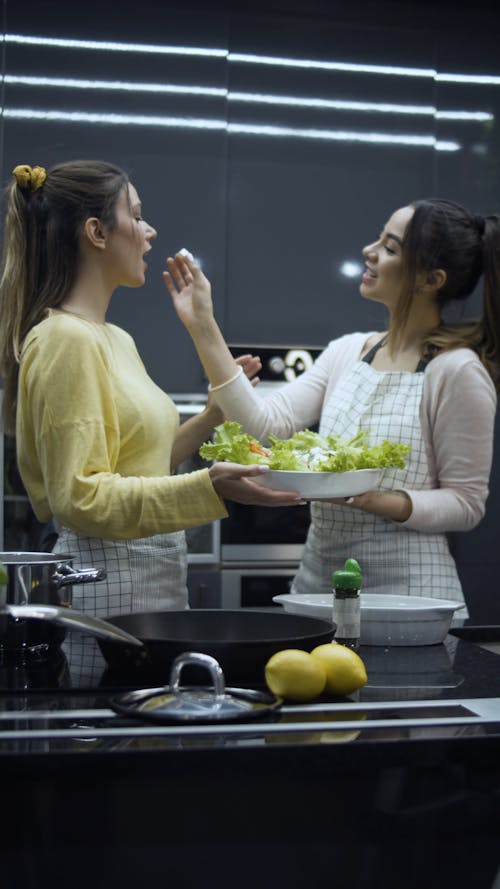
(321, 485)
(375, 606)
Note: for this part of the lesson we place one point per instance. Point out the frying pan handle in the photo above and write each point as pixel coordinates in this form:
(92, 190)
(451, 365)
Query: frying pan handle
(202, 660)
(73, 620)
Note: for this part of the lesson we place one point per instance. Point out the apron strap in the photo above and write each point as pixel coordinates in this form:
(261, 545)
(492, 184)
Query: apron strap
(373, 351)
(420, 368)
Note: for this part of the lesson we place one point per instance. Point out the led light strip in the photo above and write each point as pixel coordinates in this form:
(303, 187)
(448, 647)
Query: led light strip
(114, 46)
(244, 97)
(231, 128)
(250, 58)
(120, 85)
(317, 64)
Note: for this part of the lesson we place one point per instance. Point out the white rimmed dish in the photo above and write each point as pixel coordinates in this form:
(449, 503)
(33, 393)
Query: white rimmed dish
(320, 485)
(385, 619)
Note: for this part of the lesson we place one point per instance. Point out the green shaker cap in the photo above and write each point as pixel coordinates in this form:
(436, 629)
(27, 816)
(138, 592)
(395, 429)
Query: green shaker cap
(348, 578)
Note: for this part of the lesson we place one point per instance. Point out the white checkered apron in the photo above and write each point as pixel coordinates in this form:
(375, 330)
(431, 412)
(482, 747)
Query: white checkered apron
(393, 559)
(147, 574)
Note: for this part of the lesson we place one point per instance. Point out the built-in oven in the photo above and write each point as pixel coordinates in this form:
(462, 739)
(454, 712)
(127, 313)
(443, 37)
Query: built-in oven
(261, 547)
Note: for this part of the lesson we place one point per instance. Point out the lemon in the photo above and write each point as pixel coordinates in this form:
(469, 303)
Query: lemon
(295, 674)
(345, 670)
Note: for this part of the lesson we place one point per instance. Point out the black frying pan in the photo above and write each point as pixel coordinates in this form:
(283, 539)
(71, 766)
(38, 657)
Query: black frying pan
(142, 646)
(241, 640)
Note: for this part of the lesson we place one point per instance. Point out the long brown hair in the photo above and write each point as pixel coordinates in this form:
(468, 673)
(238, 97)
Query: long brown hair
(41, 248)
(444, 235)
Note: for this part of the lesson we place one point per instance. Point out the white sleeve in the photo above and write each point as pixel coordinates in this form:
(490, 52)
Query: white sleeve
(296, 405)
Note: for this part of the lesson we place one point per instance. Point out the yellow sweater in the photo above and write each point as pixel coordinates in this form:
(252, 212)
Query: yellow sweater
(95, 434)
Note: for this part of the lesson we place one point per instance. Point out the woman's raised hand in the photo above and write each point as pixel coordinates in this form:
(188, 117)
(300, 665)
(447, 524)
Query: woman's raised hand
(192, 298)
(190, 290)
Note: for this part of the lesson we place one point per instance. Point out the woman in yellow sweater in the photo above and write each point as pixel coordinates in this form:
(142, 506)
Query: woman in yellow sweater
(97, 439)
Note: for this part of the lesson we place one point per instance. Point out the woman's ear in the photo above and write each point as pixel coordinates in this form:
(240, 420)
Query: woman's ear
(94, 231)
(436, 279)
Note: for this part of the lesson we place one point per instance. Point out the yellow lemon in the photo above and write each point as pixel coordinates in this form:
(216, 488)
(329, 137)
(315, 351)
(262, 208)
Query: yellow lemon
(294, 674)
(345, 670)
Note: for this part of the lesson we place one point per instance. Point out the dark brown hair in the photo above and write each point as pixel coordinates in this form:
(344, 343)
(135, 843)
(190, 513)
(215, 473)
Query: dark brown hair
(444, 235)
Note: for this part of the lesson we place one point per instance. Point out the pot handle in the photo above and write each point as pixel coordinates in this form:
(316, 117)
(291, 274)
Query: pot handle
(74, 620)
(65, 575)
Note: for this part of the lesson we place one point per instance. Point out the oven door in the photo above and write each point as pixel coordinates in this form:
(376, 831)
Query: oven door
(253, 586)
(262, 534)
(203, 541)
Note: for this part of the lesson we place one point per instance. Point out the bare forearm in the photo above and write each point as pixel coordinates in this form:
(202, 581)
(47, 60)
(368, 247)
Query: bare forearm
(218, 363)
(393, 505)
(193, 432)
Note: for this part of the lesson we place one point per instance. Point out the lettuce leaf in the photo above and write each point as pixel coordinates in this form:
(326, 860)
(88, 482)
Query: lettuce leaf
(231, 444)
(304, 451)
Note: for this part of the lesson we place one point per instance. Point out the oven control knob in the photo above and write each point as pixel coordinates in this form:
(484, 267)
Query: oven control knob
(276, 365)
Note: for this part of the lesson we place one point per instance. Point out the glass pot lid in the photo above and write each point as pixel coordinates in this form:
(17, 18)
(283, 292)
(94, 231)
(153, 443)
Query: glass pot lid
(176, 703)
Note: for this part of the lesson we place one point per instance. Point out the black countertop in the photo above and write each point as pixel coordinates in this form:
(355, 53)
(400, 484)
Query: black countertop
(397, 785)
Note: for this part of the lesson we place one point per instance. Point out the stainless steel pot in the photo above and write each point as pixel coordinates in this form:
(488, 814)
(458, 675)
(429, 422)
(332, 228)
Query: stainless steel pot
(38, 579)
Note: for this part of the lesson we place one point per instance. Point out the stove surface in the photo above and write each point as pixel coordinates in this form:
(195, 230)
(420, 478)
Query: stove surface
(61, 701)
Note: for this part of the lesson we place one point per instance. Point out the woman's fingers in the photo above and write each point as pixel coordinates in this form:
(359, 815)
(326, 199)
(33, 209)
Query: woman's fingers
(251, 364)
(233, 481)
(178, 273)
(238, 470)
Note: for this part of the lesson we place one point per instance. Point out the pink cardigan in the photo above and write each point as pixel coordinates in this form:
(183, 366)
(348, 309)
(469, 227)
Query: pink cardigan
(457, 414)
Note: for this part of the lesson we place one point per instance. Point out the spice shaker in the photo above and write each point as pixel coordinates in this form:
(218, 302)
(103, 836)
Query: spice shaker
(347, 604)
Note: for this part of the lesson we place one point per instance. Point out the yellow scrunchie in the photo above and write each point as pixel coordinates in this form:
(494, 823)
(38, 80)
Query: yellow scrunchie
(29, 177)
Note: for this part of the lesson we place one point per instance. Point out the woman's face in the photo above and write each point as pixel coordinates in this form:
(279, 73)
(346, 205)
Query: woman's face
(129, 241)
(383, 278)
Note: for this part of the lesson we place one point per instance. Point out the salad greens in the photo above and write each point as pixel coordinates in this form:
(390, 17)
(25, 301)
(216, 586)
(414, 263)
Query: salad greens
(305, 451)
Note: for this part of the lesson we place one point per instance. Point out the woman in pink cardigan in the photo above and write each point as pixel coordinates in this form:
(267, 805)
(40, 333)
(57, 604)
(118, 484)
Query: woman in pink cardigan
(421, 381)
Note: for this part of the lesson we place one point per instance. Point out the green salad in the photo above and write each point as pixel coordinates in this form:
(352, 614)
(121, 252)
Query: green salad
(305, 451)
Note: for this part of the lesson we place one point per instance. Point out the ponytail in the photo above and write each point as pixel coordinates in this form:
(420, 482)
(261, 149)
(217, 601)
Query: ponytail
(490, 344)
(483, 335)
(444, 235)
(13, 288)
